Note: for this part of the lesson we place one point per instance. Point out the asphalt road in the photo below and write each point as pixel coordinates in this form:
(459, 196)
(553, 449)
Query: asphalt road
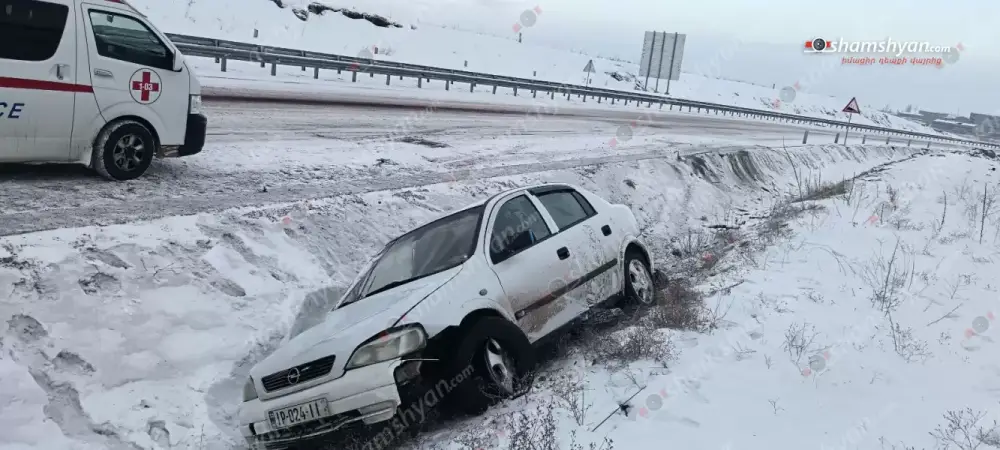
(265, 152)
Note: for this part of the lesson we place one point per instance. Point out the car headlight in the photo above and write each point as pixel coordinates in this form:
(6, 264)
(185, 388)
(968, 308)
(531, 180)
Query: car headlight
(194, 106)
(249, 391)
(388, 345)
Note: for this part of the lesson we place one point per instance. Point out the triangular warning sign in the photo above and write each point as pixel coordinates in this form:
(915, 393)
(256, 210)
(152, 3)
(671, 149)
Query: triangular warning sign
(590, 67)
(852, 106)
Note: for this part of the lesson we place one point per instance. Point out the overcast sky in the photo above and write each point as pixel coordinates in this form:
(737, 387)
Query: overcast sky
(762, 41)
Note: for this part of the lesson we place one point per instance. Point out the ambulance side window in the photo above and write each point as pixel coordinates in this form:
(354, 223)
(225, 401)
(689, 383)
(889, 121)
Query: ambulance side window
(31, 30)
(126, 39)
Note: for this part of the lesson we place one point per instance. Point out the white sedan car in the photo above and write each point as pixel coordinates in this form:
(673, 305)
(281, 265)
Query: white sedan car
(449, 313)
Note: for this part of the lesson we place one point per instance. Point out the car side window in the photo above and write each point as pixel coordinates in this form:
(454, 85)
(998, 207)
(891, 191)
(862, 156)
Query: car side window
(127, 39)
(518, 226)
(567, 207)
(31, 30)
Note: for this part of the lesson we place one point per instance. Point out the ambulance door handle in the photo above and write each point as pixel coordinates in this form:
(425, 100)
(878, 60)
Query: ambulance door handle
(103, 73)
(61, 71)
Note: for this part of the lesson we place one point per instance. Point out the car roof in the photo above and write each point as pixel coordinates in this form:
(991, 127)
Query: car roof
(534, 188)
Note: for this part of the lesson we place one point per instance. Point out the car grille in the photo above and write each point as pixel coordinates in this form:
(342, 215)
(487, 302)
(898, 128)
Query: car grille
(308, 371)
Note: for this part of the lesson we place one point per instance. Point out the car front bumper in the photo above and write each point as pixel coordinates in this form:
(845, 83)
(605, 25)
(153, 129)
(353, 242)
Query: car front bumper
(363, 396)
(194, 137)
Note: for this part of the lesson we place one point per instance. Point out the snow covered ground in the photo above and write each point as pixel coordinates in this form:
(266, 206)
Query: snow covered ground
(140, 335)
(455, 49)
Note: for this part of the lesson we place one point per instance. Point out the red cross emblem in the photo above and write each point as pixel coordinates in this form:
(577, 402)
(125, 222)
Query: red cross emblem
(145, 86)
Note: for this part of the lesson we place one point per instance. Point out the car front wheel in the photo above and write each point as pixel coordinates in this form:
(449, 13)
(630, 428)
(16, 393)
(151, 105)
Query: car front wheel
(493, 361)
(123, 151)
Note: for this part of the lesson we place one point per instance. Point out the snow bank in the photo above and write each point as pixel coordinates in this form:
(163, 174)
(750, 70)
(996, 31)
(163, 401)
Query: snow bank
(332, 32)
(141, 335)
(872, 325)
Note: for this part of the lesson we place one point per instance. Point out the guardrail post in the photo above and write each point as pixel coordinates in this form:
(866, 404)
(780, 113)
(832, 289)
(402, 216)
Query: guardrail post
(553, 95)
(316, 73)
(805, 137)
(338, 71)
(274, 69)
(689, 109)
(420, 82)
(354, 76)
(908, 142)
(864, 138)
(216, 59)
(515, 91)
(263, 64)
(387, 78)
(661, 105)
(836, 138)
(612, 100)
(928, 144)
(447, 85)
(303, 68)
(534, 93)
(494, 89)
(585, 99)
(371, 74)
(650, 105)
(626, 102)
(472, 86)
(887, 140)
(224, 63)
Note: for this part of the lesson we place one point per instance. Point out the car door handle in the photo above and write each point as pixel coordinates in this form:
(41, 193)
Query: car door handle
(103, 73)
(563, 253)
(606, 230)
(62, 71)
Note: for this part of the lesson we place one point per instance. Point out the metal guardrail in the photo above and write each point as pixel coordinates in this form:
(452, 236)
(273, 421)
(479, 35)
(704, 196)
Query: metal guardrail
(224, 50)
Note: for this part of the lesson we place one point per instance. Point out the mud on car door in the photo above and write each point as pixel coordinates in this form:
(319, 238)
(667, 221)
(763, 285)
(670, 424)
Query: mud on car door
(132, 71)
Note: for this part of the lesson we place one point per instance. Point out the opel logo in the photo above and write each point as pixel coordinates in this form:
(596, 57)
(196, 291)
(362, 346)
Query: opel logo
(293, 376)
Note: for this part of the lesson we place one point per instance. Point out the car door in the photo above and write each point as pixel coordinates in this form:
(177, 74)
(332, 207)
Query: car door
(526, 259)
(132, 71)
(592, 277)
(37, 80)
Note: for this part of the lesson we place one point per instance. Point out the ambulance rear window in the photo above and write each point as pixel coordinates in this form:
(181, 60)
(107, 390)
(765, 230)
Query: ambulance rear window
(30, 30)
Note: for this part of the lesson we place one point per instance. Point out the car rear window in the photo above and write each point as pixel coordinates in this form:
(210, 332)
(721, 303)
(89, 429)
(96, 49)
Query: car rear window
(567, 208)
(31, 30)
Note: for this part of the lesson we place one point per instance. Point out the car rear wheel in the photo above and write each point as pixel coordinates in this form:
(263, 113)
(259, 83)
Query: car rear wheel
(493, 361)
(123, 151)
(639, 287)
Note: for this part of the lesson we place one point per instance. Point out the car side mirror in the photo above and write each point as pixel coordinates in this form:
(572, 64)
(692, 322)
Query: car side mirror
(177, 62)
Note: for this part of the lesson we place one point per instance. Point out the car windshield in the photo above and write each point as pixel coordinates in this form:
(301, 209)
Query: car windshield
(432, 248)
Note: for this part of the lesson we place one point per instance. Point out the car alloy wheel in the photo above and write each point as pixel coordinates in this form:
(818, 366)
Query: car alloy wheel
(499, 366)
(129, 152)
(642, 284)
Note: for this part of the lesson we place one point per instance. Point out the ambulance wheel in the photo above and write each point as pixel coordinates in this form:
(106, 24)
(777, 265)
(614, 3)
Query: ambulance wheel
(123, 151)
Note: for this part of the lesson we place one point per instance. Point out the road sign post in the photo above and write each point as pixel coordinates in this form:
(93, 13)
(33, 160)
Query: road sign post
(851, 109)
(589, 68)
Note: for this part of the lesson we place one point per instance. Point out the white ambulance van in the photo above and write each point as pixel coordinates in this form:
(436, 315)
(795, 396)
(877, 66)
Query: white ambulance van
(93, 82)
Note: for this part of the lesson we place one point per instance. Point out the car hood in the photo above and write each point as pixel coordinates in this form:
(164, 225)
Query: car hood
(347, 327)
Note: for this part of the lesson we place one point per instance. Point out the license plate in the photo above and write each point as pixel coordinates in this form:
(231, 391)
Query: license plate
(286, 417)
